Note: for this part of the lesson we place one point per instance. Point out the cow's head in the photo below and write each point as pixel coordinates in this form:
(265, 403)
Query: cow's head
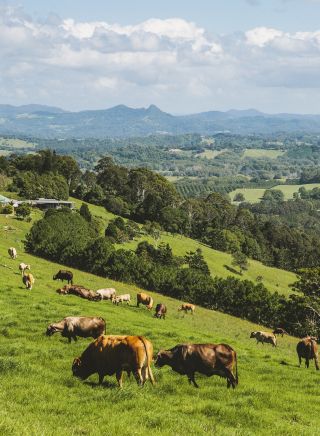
(163, 358)
(253, 334)
(54, 277)
(79, 369)
(51, 330)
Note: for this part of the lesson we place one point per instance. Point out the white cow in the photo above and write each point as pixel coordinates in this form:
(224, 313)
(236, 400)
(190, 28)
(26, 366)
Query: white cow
(23, 267)
(12, 252)
(121, 299)
(106, 294)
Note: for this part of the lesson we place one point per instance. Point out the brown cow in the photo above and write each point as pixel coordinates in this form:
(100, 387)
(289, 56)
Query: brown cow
(279, 331)
(83, 326)
(264, 337)
(144, 299)
(79, 291)
(110, 355)
(187, 307)
(161, 310)
(307, 348)
(207, 359)
(28, 280)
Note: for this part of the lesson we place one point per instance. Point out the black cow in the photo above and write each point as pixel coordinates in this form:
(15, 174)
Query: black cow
(64, 275)
(161, 310)
(207, 359)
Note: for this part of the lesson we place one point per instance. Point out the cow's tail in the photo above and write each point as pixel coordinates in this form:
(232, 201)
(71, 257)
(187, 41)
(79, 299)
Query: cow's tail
(149, 359)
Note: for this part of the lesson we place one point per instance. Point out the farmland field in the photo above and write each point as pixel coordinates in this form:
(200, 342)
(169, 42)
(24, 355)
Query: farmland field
(254, 195)
(260, 153)
(15, 143)
(210, 154)
(39, 395)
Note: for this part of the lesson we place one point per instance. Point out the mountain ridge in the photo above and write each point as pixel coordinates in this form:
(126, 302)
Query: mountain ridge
(124, 121)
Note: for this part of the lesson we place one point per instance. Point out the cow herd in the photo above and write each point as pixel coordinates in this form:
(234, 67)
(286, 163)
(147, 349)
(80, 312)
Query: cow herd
(115, 354)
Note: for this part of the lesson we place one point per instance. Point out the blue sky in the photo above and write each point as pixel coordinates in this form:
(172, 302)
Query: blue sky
(184, 56)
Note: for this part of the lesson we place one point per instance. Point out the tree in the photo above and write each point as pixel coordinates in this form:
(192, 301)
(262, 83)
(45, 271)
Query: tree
(85, 212)
(196, 261)
(240, 260)
(154, 230)
(23, 211)
(273, 195)
(239, 197)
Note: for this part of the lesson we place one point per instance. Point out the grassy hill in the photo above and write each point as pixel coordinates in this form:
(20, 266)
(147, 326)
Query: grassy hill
(254, 195)
(219, 262)
(39, 396)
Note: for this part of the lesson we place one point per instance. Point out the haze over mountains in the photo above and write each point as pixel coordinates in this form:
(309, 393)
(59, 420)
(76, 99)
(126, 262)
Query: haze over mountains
(52, 122)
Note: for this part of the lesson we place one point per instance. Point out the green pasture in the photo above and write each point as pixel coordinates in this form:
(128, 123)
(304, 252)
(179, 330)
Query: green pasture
(210, 154)
(15, 143)
(39, 395)
(254, 195)
(261, 153)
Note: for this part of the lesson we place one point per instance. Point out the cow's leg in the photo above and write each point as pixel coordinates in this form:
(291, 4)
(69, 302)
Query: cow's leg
(119, 378)
(138, 377)
(192, 380)
(316, 361)
(75, 338)
(307, 363)
(69, 339)
(299, 361)
(231, 380)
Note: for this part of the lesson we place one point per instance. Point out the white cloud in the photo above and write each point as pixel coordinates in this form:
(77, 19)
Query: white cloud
(173, 63)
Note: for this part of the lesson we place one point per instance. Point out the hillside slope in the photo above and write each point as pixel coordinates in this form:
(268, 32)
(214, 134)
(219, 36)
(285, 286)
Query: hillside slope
(274, 396)
(219, 262)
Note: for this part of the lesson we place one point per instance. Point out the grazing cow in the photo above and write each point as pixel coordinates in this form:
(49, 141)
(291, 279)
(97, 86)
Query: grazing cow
(117, 299)
(279, 331)
(144, 299)
(28, 280)
(187, 307)
(106, 294)
(110, 355)
(307, 348)
(207, 359)
(83, 326)
(64, 275)
(23, 267)
(79, 291)
(12, 252)
(263, 337)
(161, 310)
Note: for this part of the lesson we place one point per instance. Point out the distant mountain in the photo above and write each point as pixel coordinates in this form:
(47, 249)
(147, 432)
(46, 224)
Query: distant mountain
(51, 122)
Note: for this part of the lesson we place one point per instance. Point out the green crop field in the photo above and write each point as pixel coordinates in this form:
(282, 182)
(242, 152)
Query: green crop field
(218, 262)
(39, 395)
(254, 195)
(261, 153)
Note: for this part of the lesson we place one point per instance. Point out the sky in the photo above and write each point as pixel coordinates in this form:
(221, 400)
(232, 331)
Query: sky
(183, 56)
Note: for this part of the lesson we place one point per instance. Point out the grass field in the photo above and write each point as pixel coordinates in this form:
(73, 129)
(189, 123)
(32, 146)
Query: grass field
(254, 195)
(260, 153)
(15, 143)
(210, 154)
(218, 262)
(39, 396)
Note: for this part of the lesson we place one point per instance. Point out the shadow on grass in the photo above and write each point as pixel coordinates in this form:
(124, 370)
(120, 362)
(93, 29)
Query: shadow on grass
(105, 384)
(234, 271)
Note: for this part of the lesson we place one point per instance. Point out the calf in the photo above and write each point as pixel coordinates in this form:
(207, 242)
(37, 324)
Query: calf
(207, 359)
(121, 299)
(144, 299)
(23, 267)
(307, 348)
(79, 291)
(73, 326)
(64, 275)
(161, 311)
(263, 337)
(12, 253)
(279, 331)
(187, 307)
(28, 280)
(106, 294)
